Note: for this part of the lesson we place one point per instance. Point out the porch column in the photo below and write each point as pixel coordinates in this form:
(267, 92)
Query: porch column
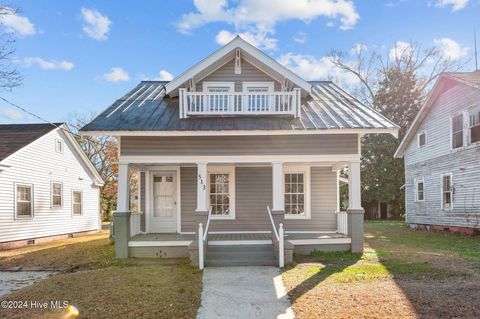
(121, 217)
(278, 199)
(355, 212)
(123, 188)
(202, 188)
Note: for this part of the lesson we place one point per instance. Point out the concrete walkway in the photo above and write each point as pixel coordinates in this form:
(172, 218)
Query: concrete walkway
(13, 280)
(244, 292)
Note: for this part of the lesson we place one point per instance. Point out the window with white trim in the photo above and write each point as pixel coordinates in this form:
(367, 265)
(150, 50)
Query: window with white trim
(77, 202)
(447, 191)
(58, 146)
(457, 131)
(419, 190)
(474, 125)
(222, 192)
(23, 201)
(296, 192)
(422, 139)
(221, 99)
(57, 194)
(257, 101)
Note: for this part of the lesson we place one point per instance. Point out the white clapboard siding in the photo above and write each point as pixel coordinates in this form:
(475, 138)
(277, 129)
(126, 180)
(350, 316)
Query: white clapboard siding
(39, 164)
(437, 158)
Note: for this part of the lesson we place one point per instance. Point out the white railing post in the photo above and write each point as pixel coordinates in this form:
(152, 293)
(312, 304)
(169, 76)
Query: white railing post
(200, 246)
(281, 251)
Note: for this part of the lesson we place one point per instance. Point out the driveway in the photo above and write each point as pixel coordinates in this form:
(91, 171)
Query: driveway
(13, 280)
(244, 292)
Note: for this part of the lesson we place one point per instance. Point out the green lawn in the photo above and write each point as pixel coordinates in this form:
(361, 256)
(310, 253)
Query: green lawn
(402, 273)
(102, 287)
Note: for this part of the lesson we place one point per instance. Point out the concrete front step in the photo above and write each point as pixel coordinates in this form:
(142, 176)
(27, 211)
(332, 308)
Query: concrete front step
(240, 255)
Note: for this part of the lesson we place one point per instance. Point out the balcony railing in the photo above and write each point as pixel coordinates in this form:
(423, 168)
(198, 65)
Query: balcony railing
(239, 103)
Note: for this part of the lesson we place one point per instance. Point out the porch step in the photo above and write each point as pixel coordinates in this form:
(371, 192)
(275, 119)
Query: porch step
(240, 255)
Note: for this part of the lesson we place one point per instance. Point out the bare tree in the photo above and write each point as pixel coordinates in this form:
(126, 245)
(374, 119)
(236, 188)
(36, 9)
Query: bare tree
(9, 75)
(370, 67)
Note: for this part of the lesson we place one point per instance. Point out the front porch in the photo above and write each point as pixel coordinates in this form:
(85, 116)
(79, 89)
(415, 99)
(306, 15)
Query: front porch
(229, 211)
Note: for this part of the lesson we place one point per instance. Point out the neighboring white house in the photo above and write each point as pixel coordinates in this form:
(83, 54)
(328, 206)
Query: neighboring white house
(442, 156)
(48, 187)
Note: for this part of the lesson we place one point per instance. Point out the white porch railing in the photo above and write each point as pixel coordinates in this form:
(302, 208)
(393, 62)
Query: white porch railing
(342, 223)
(240, 103)
(202, 238)
(279, 236)
(135, 221)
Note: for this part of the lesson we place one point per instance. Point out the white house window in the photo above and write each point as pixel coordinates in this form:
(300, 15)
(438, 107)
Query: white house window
(419, 190)
(220, 100)
(422, 139)
(296, 192)
(77, 202)
(24, 201)
(222, 192)
(447, 191)
(474, 125)
(57, 194)
(257, 101)
(457, 131)
(58, 146)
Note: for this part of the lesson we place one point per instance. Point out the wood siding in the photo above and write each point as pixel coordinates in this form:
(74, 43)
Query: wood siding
(437, 158)
(324, 144)
(39, 164)
(226, 73)
(253, 194)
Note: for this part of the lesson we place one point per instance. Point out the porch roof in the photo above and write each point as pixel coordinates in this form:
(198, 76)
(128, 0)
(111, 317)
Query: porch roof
(147, 108)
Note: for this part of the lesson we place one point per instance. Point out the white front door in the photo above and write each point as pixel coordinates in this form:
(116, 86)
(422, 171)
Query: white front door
(163, 218)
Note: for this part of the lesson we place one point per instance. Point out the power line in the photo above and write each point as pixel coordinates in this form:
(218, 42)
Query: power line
(53, 124)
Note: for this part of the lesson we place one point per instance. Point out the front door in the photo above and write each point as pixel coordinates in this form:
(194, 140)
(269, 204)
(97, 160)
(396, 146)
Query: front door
(164, 213)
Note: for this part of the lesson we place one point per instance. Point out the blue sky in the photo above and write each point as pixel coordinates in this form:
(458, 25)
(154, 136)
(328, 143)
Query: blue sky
(79, 56)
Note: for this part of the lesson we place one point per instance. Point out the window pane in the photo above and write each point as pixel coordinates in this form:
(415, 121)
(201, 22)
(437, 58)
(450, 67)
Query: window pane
(24, 209)
(57, 200)
(421, 139)
(475, 134)
(77, 209)
(219, 194)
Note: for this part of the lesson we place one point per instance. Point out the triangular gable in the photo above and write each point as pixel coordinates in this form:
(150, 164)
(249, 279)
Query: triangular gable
(224, 52)
(437, 89)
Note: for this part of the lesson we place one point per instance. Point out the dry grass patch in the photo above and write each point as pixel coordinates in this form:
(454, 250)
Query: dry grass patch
(402, 274)
(117, 292)
(86, 252)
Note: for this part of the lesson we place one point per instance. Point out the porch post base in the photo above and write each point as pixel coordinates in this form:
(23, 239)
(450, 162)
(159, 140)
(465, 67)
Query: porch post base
(356, 228)
(121, 226)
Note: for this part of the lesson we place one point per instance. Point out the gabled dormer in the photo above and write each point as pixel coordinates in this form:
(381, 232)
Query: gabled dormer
(238, 79)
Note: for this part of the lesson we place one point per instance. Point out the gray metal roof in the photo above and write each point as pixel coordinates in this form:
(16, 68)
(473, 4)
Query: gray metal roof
(13, 137)
(147, 108)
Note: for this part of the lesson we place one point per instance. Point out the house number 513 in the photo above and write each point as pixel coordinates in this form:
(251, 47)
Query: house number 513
(200, 178)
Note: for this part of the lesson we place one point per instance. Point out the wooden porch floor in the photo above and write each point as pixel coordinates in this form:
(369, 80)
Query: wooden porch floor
(234, 236)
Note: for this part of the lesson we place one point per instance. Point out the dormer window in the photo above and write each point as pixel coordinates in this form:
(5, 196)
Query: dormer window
(422, 139)
(58, 146)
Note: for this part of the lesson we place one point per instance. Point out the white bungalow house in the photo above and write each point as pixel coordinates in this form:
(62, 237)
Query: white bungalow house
(48, 187)
(441, 151)
(238, 159)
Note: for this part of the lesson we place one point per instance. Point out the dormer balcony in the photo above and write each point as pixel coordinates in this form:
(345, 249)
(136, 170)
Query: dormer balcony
(223, 102)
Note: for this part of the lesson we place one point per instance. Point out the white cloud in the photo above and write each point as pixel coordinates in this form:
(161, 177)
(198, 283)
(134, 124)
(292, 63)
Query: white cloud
(456, 4)
(15, 23)
(450, 49)
(256, 38)
(359, 48)
(258, 18)
(96, 25)
(49, 65)
(300, 37)
(115, 75)
(11, 114)
(312, 68)
(163, 75)
(400, 50)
